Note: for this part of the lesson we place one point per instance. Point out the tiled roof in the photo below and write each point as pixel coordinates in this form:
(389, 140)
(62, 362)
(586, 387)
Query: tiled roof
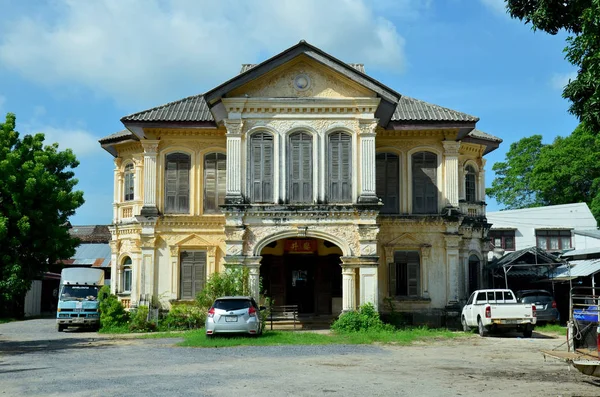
(482, 135)
(91, 234)
(411, 109)
(118, 136)
(247, 66)
(193, 108)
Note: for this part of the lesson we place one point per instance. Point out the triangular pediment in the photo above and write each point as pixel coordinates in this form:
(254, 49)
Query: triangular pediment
(192, 241)
(406, 240)
(302, 77)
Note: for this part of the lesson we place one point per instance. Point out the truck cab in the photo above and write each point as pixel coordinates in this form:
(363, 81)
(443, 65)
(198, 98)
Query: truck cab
(78, 298)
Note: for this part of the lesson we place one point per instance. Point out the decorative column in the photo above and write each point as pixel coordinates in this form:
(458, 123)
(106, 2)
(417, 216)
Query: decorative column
(233, 185)
(253, 265)
(114, 266)
(481, 182)
(368, 282)
(452, 267)
(349, 265)
(451, 171)
(174, 251)
(367, 161)
(117, 187)
(148, 282)
(150, 150)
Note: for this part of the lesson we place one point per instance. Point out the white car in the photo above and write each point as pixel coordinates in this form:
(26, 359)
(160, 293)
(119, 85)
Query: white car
(234, 314)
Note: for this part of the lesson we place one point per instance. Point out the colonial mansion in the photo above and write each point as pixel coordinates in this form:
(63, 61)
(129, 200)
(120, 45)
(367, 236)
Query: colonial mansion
(333, 189)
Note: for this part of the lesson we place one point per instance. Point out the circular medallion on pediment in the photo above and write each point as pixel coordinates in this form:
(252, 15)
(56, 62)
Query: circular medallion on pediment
(302, 82)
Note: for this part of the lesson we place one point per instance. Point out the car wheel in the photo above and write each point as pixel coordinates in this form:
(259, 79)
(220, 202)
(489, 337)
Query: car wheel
(466, 328)
(482, 330)
(61, 327)
(527, 331)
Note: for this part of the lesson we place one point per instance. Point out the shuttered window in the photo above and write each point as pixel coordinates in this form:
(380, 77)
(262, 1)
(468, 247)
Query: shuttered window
(300, 168)
(214, 181)
(261, 168)
(470, 187)
(128, 186)
(193, 273)
(425, 191)
(177, 183)
(387, 167)
(126, 274)
(340, 167)
(405, 274)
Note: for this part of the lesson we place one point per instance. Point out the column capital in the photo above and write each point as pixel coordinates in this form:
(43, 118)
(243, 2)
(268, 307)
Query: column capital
(367, 127)
(451, 148)
(118, 161)
(150, 146)
(234, 126)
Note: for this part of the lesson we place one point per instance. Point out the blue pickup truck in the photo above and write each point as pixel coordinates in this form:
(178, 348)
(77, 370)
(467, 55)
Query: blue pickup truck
(78, 298)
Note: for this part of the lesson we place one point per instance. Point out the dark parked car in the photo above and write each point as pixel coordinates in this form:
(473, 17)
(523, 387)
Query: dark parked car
(545, 304)
(234, 314)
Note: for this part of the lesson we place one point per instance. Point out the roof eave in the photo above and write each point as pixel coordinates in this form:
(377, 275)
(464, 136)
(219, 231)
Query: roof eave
(490, 145)
(137, 127)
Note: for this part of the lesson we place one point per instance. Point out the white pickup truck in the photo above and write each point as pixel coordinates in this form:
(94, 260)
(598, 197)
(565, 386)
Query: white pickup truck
(492, 309)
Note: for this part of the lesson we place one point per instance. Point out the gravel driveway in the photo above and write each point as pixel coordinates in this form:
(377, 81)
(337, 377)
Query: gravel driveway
(35, 360)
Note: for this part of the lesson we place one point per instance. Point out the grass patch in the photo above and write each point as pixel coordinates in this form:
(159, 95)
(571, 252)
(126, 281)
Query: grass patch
(552, 329)
(120, 329)
(277, 338)
(7, 320)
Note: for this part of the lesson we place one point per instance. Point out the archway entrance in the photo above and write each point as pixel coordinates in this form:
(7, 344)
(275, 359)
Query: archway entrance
(304, 272)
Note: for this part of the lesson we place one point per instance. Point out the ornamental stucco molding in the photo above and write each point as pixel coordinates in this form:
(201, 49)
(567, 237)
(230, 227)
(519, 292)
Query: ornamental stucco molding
(320, 125)
(150, 146)
(234, 126)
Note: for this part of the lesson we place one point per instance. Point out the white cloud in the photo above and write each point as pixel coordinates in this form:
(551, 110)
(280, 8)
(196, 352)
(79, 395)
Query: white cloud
(560, 80)
(82, 142)
(147, 50)
(498, 6)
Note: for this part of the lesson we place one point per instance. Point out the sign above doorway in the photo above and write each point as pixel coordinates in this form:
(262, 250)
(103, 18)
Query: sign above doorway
(300, 246)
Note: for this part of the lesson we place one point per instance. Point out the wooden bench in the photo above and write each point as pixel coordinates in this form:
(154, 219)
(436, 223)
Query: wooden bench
(283, 313)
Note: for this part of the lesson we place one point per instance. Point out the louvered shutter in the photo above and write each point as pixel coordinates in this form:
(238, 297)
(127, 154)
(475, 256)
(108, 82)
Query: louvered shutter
(128, 183)
(392, 280)
(301, 168)
(193, 273)
(221, 178)
(424, 172)
(340, 171)
(210, 182)
(177, 183)
(470, 195)
(388, 182)
(199, 272)
(171, 186)
(261, 179)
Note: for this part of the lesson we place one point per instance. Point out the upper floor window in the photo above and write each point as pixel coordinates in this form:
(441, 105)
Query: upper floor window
(504, 239)
(300, 168)
(126, 275)
(470, 184)
(177, 183)
(128, 187)
(261, 168)
(214, 181)
(424, 183)
(405, 274)
(387, 168)
(552, 240)
(340, 167)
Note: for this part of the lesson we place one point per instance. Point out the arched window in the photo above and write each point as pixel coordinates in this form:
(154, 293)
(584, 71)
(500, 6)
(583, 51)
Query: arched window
(214, 181)
(126, 274)
(424, 175)
(177, 183)
(300, 168)
(387, 167)
(128, 187)
(261, 168)
(470, 184)
(340, 167)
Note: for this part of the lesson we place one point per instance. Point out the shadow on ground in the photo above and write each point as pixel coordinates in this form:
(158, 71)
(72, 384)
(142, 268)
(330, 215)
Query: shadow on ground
(13, 348)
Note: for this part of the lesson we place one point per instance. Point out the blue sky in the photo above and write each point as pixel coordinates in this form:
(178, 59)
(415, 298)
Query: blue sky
(73, 68)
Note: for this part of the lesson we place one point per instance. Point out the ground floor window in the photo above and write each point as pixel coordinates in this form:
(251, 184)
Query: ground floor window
(193, 273)
(405, 274)
(126, 276)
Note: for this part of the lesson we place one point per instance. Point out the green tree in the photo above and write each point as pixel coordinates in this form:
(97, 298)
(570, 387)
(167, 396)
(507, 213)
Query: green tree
(512, 185)
(581, 19)
(568, 170)
(36, 200)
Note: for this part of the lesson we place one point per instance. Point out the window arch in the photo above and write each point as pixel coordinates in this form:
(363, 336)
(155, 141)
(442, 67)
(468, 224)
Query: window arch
(340, 167)
(424, 183)
(126, 274)
(387, 169)
(470, 184)
(177, 183)
(214, 181)
(300, 168)
(261, 168)
(128, 183)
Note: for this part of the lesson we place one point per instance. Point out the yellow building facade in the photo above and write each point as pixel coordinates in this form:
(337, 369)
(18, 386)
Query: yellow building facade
(333, 189)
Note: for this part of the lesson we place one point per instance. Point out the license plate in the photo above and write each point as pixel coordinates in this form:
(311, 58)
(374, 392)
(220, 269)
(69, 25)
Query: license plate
(510, 321)
(231, 319)
(78, 320)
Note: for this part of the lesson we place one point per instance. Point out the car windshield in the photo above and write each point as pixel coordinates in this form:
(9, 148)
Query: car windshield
(79, 292)
(536, 298)
(232, 304)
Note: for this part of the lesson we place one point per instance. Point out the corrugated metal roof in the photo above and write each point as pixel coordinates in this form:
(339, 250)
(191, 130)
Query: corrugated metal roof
(588, 233)
(532, 256)
(411, 109)
(97, 255)
(578, 268)
(583, 251)
(193, 108)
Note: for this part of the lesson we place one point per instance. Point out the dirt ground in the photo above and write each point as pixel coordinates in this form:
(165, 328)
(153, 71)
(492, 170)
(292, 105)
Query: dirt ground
(35, 360)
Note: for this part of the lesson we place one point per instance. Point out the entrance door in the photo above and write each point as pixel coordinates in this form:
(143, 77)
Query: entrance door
(473, 274)
(300, 275)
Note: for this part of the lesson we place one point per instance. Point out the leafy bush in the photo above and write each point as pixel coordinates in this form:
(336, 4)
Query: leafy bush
(185, 317)
(139, 320)
(233, 281)
(365, 319)
(112, 312)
